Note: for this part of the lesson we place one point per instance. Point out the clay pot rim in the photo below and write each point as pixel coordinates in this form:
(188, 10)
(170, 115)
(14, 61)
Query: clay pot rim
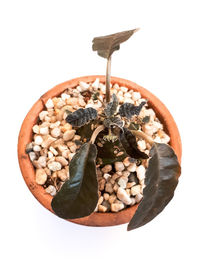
(25, 136)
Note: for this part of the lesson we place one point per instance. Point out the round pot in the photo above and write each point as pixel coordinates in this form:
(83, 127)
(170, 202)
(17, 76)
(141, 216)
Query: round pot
(25, 137)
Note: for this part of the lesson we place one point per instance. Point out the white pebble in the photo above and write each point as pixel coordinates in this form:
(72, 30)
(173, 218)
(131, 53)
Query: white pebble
(123, 196)
(115, 207)
(48, 140)
(43, 114)
(60, 103)
(54, 166)
(55, 124)
(95, 84)
(49, 103)
(133, 201)
(32, 156)
(107, 168)
(119, 166)
(102, 87)
(50, 155)
(40, 176)
(51, 190)
(127, 95)
(157, 139)
(122, 182)
(126, 162)
(138, 197)
(56, 132)
(62, 160)
(84, 86)
(62, 174)
(135, 190)
(141, 172)
(165, 139)
(141, 145)
(69, 135)
(70, 155)
(106, 176)
(65, 96)
(44, 130)
(36, 148)
(124, 89)
(36, 129)
(136, 96)
(109, 188)
(38, 140)
(132, 167)
(42, 161)
(53, 150)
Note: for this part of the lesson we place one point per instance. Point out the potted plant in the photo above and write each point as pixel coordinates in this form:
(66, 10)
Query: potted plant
(98, 140)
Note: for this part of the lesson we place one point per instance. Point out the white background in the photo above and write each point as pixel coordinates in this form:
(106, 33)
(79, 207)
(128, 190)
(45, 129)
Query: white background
(44, 43)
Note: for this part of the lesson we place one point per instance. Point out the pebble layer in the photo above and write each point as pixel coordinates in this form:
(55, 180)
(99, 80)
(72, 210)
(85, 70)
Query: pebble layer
(55, 143)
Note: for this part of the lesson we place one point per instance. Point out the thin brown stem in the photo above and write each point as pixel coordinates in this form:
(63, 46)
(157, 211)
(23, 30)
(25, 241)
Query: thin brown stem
(108, 72)
(144, 136)
(96, 132)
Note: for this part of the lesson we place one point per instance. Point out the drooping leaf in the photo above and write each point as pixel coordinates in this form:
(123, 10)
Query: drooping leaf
(161, 181)
(111, 107)
(79, 195)
(81, 116)
(106, 45)
(129, 143)
(128, 110)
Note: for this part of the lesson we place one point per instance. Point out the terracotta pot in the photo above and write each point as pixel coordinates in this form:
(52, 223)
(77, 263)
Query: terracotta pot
(25, 137)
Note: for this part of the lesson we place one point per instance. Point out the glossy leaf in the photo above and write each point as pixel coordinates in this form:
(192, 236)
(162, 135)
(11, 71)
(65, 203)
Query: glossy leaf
(129, 143)
(79, 195)
(81, 116)
(128, 110)
(107, 152)
(161, 181)
(86, 130)
(106, 45)
(111, 107)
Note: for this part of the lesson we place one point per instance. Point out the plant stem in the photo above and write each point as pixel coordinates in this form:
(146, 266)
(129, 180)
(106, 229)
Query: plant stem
(96, 132)
(108, 72)
(144, 136)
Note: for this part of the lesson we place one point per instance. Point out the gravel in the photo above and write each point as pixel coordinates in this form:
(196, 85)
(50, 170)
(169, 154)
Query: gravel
(54, 144)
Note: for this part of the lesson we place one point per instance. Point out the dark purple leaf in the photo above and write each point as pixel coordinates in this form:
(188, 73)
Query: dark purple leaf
(78, 196)
(106, 45)
(129, 143)
(128, 110)
(161, 180)
(81, 116)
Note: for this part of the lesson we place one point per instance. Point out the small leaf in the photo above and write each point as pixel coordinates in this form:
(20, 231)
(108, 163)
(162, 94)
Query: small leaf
(128, 141)
(114, 121)
(128, 110)
(78, 196)
(81, 116)
(106, 45)
(95, 96)
(146, 119)
(111, 107)
(161, 181)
